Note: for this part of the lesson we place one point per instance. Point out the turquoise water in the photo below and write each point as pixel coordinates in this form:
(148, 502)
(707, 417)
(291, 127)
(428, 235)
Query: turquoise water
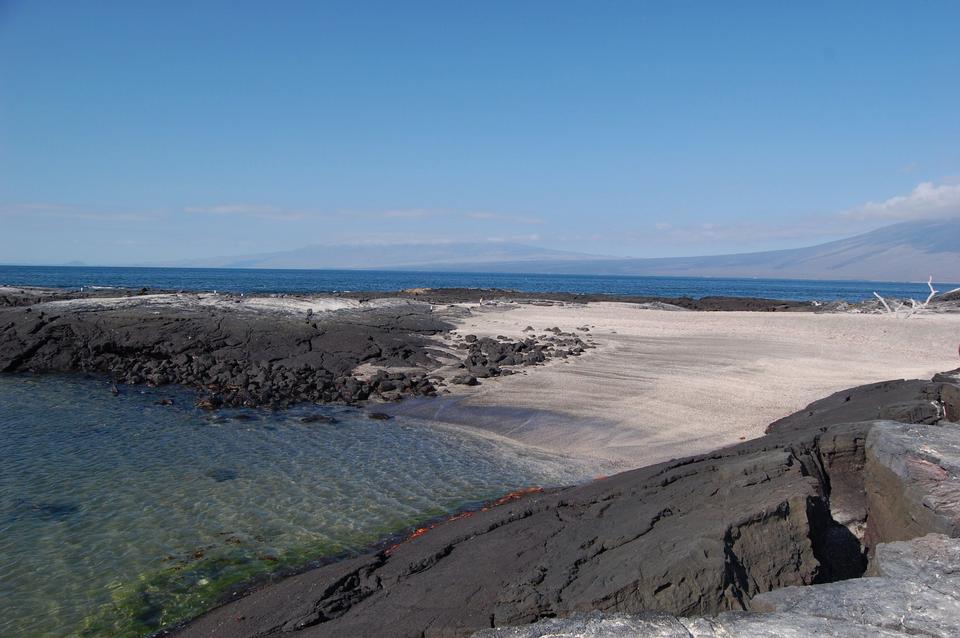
(119, 515)
(319, 281)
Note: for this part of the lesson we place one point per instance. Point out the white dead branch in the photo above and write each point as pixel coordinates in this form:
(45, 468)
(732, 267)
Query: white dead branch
(905, 310)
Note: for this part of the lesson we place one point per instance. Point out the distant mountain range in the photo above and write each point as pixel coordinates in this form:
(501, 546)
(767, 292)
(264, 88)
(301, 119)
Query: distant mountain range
(422, 256)
(910, 251)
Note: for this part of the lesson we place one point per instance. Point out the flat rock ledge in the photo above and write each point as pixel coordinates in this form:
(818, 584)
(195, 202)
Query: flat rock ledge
(822, 526)
(252, 351)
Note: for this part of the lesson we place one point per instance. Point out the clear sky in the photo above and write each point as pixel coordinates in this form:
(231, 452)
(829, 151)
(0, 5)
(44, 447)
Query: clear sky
(152, 131)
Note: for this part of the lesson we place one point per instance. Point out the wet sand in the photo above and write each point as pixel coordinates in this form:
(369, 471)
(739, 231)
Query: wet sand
(666, 384)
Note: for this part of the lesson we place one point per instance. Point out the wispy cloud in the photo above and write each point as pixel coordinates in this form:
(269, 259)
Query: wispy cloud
(927, 200)
(408, 214)
(62, 211)
(259, 211)
(509, 219)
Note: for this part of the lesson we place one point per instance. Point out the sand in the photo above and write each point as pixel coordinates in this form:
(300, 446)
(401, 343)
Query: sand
(667, 384)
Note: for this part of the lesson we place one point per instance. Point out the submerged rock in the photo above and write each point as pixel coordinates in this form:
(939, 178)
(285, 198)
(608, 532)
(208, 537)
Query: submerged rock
(222, 474)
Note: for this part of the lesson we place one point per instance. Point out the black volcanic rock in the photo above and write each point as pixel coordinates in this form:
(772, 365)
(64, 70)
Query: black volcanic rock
(234, 357)
(693, 536)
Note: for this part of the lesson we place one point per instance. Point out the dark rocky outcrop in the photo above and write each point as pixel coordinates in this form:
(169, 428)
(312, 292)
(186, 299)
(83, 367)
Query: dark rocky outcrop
(709, 303)
(695, 536)
(913, 589)
(238, 355)
(234, 357)
(486, 357)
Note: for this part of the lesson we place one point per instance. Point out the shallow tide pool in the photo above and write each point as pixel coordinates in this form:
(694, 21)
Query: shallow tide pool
(120, 515)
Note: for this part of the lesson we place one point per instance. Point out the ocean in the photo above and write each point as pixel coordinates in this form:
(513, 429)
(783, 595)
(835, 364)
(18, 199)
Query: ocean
(324, 281)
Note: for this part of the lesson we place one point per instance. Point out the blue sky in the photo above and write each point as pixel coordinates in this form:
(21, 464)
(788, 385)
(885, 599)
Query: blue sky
(154, 131)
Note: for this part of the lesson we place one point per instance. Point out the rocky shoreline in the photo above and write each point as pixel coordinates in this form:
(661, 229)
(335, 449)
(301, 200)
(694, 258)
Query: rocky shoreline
(730, 543)
(238, 352)
(279, 350)
(815, 503)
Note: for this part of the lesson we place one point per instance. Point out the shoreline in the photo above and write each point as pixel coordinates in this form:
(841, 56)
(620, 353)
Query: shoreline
(812, 502)
(660, 384)
(631, 384)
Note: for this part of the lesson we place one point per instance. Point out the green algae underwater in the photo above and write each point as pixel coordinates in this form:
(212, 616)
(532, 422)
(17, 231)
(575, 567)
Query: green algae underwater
(122, 515)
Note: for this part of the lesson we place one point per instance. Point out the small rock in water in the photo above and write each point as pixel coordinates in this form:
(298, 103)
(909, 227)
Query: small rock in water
(209, 402)
(222, 474)
(317, 418)
(164, 401)
(379, 416)
(45, 511)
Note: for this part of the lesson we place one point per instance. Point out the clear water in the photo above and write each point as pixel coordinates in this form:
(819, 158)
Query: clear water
(318, 281)
(118, 515)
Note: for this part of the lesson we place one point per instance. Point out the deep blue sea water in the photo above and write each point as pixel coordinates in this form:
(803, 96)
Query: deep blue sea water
(320, 281)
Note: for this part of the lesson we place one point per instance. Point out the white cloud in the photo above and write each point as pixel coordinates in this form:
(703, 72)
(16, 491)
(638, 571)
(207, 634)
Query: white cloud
(925, 201)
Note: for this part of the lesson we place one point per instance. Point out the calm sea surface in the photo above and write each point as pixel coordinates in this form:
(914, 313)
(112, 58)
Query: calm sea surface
(316, 281)
(119, 515)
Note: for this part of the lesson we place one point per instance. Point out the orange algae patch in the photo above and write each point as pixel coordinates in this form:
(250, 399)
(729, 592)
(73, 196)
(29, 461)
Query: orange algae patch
(420, 531)
(512, 496)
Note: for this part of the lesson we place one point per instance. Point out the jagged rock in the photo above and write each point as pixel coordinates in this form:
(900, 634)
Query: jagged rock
(914, 589)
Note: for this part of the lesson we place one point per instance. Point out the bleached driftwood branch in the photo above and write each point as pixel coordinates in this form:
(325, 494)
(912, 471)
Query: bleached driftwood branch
(902, 310)
(883, 301)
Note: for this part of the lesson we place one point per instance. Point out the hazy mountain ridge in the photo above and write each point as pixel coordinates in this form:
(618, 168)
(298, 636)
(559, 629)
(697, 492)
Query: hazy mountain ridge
(909, 251)
(391, 256)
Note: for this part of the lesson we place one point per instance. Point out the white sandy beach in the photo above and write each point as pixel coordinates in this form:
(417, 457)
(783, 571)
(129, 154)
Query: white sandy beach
(665, 384)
